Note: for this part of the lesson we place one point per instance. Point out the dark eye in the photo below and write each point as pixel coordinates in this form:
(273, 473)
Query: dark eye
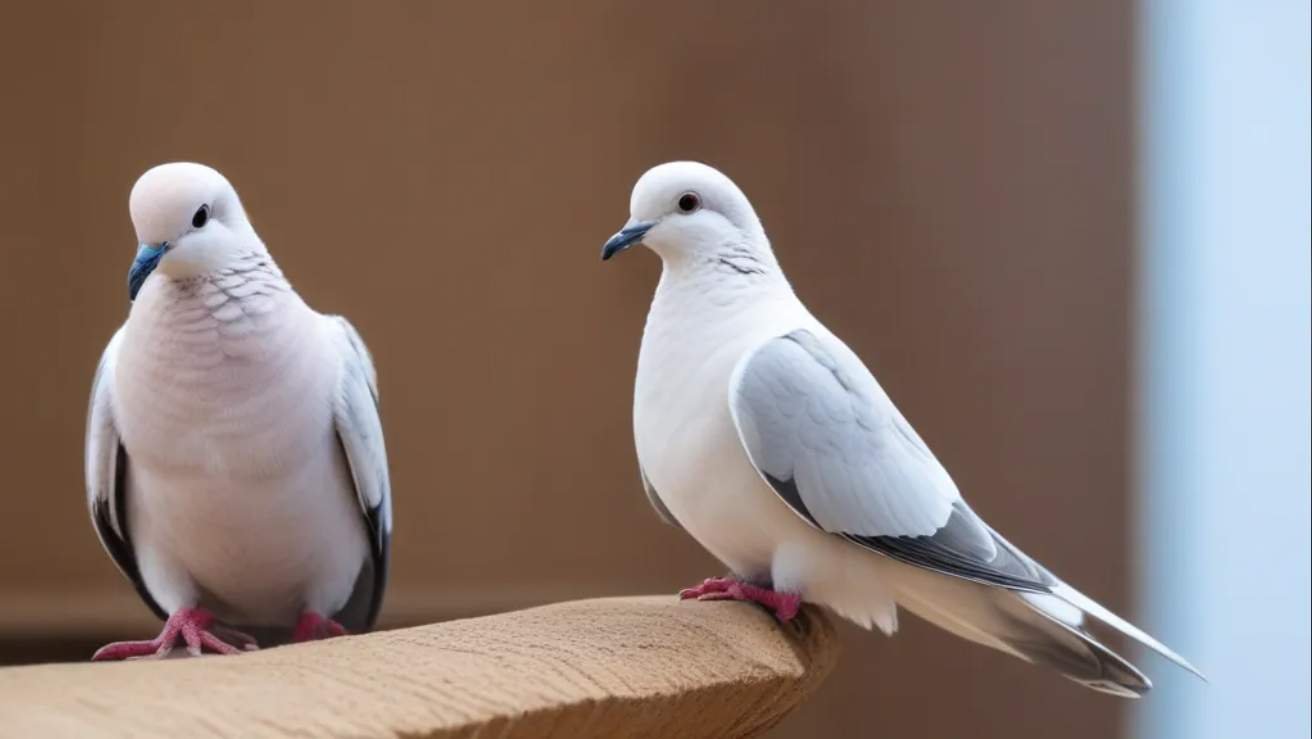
(689, 202)
(201, 218)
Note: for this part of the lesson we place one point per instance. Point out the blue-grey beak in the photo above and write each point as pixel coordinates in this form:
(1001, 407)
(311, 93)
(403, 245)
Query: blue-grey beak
(627, 237)
(147, 260)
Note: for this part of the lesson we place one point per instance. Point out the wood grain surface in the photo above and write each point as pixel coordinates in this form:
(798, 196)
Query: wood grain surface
(638, 666)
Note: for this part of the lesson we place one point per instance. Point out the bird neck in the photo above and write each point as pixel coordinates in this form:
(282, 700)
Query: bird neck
(219, 346)
(235, 313)
(704, 305)
(726, 279)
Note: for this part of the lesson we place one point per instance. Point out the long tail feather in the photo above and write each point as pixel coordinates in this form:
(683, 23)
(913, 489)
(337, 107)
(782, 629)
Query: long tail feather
(1039, 630)
(1096, 610)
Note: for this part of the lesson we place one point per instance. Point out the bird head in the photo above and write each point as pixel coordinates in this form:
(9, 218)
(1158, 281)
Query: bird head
(687, 210)
(189, 222)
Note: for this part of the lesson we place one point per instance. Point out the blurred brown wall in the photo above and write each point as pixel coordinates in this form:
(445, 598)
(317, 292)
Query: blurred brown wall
(947, 184)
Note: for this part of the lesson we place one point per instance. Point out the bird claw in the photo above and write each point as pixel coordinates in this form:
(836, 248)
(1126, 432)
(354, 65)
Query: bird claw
(312, 626)
(239, 639)
(784, 606)
(710, 587)
(195, 627)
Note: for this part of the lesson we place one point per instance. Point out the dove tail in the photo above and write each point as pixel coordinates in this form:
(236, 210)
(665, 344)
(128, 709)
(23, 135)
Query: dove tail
(1051, 629)
(1037, 627)
(1045, 630)
(1092, 608)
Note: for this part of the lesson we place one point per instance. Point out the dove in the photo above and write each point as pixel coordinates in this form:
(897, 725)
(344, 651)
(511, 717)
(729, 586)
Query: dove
(235, 465)
(765, 438)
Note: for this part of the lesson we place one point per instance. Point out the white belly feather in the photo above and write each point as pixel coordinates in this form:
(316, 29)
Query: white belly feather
(690, 451)
(239, 496)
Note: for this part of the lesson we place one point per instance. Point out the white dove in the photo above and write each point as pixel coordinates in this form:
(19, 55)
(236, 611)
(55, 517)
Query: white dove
(761, 434)
(235, 464)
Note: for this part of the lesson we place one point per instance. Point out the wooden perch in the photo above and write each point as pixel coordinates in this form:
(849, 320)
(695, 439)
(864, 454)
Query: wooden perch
(647, 666)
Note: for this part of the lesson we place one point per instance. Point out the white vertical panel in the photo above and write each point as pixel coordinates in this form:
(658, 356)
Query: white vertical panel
(1223, 374)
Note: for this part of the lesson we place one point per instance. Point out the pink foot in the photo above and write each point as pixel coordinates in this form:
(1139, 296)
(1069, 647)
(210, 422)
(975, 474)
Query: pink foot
(198, 631)
(312, 626)
(784, 606)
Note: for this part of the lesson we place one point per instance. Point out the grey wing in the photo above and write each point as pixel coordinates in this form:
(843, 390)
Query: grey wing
(824, 435)
(106, 474)
(655, 499)
(360, 432)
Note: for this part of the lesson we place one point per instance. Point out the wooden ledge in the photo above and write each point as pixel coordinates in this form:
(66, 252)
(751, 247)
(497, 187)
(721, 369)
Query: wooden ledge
(645, 666)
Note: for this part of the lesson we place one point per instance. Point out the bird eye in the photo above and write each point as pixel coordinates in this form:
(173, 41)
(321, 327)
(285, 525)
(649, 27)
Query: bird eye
(689, 202)
(201, 218)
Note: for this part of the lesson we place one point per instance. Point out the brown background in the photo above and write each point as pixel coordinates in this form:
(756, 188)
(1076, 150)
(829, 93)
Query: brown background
(948, 185)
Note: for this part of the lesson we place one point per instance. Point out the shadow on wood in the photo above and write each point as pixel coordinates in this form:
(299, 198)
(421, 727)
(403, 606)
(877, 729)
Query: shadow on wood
(645, 666)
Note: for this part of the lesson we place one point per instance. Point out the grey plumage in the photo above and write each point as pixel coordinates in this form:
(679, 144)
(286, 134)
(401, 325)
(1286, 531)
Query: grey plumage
(824, 435)
(360, 431)
(827, 439)
(107, 463)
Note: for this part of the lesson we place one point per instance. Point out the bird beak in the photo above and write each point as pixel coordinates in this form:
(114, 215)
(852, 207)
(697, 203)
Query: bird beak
(631, 234)
(147, 260)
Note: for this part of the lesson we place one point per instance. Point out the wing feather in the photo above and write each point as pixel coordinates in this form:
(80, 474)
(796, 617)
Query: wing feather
(106, 475)
(360, 432)
(655, 499)
(824, 435)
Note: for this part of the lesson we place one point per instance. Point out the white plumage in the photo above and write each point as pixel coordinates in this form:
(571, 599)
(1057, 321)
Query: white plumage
(770, 442)
(235, 458)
